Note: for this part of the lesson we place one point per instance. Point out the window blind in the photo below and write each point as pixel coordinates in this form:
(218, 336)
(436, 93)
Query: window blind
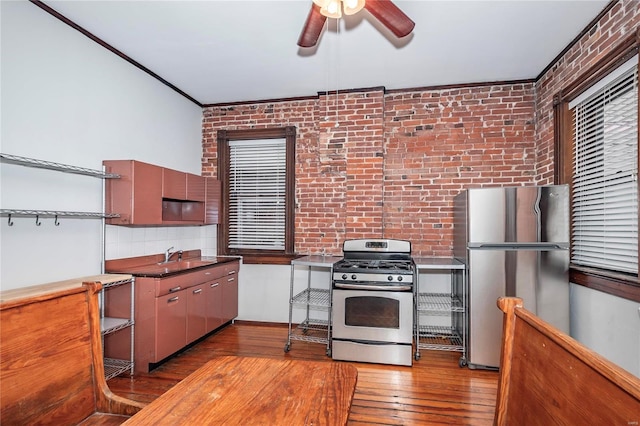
(605, 189)
(257, 179)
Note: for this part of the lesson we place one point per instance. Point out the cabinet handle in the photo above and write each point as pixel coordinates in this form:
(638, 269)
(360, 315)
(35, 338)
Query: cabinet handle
(198, 291)
(230, 279)
(207, 273)
(215, 285)
(231, 272)
(173, 290)
(173, 299)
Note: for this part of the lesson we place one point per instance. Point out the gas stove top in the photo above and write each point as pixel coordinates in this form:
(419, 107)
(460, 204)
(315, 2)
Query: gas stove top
(375, 261)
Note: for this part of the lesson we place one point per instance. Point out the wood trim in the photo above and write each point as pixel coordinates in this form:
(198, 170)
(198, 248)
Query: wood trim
(110, 48)
(620, 285)
(562, 137)
(586, 29)
(460, 86)
(258, 256)
(626, 287)
(616, 57)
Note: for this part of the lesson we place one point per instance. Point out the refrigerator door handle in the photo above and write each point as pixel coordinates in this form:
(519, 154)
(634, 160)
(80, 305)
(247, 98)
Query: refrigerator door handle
(520, 246)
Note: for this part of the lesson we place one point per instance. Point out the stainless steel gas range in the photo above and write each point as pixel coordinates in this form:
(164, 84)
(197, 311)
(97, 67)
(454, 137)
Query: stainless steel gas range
(372, 319)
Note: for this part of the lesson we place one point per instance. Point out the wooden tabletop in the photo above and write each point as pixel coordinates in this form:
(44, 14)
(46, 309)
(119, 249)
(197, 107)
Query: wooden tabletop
(256, 391)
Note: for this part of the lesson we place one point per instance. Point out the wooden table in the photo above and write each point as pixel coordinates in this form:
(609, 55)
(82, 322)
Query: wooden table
(260, 391)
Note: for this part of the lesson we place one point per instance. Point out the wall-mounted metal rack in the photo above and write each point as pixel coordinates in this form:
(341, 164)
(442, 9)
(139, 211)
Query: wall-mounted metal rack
(49, 165)
(10, 213)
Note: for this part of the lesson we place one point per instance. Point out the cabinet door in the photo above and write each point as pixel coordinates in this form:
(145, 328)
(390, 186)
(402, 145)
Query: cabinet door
(196, 312)
(136, 196)
(212, 201)
(174, 184)
(171, 324)
(214, 305)
(196, 187)
(230, 296)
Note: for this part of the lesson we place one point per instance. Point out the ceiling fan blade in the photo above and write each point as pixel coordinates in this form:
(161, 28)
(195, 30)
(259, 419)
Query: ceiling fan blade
(312, 27)
(390, 16)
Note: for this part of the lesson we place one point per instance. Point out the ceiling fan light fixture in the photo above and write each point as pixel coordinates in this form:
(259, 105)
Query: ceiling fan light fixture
(332, 9)
(352, 6)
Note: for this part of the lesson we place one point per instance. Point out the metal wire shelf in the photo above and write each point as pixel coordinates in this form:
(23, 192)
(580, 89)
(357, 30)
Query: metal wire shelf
(440, 338)
(49, 165)
(114, 367)
(313, 297)
(312, 330)
(439, 303)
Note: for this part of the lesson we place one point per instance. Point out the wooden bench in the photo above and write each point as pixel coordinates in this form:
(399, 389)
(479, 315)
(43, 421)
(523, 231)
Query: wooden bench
(51, 365)
(546, 377)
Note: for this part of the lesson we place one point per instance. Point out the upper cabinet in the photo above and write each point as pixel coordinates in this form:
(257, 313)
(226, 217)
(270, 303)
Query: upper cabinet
(152, 195)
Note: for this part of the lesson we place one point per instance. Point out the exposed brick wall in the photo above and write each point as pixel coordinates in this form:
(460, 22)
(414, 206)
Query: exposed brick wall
(440, 142)
(620, 22)
(393, 163)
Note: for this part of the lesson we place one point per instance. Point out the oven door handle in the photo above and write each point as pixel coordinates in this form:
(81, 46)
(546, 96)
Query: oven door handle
(372, 287)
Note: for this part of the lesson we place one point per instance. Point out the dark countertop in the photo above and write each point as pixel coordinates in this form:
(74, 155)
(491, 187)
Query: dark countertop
(162, 269)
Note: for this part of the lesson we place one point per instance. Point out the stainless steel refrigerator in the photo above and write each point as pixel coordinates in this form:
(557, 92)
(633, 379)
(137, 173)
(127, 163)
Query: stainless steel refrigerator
(515, 242)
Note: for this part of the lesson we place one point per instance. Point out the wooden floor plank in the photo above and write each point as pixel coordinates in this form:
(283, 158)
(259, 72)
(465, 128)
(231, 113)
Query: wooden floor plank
(435, 390)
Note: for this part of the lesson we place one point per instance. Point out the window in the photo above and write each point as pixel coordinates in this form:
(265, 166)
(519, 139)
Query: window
(596, 152)
(605, 189)
(256, 169)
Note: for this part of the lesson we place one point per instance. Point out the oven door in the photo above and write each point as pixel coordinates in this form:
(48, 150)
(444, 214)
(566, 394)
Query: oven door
(372, 316)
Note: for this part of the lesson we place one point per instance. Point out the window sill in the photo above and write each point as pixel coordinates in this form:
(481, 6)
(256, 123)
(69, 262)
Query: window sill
(266, 258)
(616, 284)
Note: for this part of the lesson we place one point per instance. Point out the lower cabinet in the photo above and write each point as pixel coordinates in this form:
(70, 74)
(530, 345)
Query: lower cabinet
(171, 324)
(213, 297)
(230, 296)
(196, 313)
(175, 311)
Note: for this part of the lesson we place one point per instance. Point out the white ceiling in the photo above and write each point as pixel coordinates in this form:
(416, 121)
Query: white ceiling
(232, 51)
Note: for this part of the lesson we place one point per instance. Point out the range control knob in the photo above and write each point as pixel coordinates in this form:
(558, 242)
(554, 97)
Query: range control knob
(400, 278)
(354, 276)
(389, 278)
(344, 276)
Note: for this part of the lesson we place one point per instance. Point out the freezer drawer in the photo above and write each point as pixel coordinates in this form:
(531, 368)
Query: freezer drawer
(517, 214)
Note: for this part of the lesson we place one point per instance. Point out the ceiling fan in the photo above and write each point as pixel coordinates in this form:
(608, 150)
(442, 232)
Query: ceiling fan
(384, 11)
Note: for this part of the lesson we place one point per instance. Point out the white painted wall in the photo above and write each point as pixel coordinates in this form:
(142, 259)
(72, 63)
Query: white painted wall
(608, 325)
(265, 291)
(66, 99)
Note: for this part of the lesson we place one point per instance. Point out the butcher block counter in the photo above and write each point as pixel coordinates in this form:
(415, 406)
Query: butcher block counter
(256, 391)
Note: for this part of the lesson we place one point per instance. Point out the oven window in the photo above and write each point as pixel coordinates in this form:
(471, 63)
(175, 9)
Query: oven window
(372, 311)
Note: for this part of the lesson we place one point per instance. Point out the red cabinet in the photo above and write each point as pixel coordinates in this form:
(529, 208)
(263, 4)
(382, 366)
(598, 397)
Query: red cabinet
(196, 312)
(136, 196)
(174, 311)
(152, 195)
(196, 187)
(170, 324)
(174, 184)
(230, 295)
(212, 201)
(214, 305)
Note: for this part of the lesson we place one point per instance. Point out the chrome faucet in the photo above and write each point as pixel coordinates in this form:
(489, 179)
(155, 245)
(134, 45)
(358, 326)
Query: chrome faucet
(169, 253)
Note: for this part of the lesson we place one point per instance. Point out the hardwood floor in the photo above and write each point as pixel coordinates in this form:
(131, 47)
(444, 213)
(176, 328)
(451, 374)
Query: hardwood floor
(434, 391)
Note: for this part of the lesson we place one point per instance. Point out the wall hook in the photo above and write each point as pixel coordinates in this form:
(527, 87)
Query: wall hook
(10, 222)
(55, 222)
(38, 223)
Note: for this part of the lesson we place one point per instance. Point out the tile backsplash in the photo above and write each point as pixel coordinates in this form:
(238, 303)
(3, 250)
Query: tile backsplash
(122, 241)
